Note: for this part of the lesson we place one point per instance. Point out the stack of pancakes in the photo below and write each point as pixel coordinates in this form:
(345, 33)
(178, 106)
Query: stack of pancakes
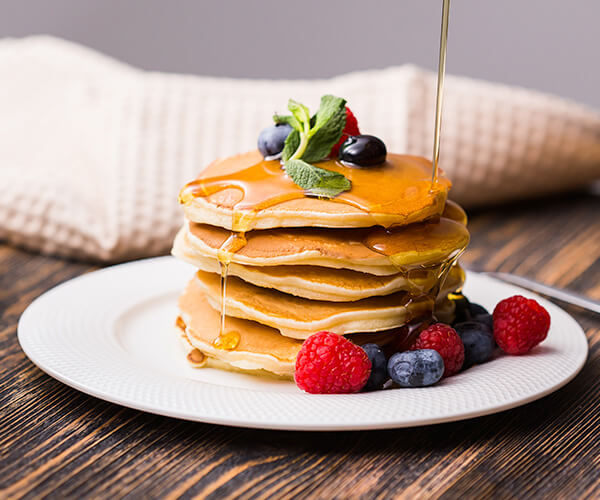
(296, 265)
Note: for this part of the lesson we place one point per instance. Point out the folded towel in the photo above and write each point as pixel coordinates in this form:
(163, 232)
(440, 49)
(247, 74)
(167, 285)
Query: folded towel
(93, 152)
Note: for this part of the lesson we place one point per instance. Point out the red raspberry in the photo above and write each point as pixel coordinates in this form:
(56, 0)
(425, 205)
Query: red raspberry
(330, 364)
(520, 324)
(351, 128)
(443, 339)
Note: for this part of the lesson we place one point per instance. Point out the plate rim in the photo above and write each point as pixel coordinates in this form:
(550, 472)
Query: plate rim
(29, 315)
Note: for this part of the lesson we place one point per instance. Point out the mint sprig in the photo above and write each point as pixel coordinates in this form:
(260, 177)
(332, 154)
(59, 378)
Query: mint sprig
(291, 145)
(290, 120)
(311, 140)
(317, 181)
(327, 127)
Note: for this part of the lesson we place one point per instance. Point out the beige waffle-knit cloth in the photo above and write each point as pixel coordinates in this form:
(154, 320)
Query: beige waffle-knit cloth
(94, 152)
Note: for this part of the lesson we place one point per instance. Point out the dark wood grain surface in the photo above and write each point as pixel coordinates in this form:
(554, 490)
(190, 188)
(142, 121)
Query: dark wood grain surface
(59, 443)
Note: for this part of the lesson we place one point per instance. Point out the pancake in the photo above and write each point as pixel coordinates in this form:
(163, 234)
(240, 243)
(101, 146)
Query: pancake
(299, 318)
(245, 192)
(455, 212)
(312, 282)
(370, 250)
(261, 350)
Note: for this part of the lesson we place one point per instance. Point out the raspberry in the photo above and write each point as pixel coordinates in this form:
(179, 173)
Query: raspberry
(520, 324)
(351, 128)
(330, 364)
(443, 339)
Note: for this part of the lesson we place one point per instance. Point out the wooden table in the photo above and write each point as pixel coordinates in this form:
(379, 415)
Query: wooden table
(58, 442)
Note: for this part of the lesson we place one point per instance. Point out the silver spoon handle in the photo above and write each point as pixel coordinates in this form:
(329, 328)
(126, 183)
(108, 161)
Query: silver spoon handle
(550, 291)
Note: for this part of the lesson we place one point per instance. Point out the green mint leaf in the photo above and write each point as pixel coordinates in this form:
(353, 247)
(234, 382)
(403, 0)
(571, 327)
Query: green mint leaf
(290, 145)
(288, 119)
(315, 180)
(300, 112)
(313, 137)
(327, 127)
(330, 107)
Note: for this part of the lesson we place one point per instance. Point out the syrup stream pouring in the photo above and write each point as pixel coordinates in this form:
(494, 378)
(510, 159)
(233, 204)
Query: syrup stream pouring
(535, 286)
(440, 91)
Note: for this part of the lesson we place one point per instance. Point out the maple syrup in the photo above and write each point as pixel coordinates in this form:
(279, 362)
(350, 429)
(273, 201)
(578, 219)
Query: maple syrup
(390, 192)
(227, 341)
(429, 239)
(451, 210)
(418, 242)
(197, 358)
(235, 241)
(405, 336)
(440, 93)
(180, 323)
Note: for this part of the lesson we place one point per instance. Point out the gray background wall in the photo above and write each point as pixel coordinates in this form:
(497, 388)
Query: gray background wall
(550, 45)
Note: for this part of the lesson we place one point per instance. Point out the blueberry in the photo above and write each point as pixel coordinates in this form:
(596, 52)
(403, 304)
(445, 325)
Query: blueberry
(379, 374)
(416, 368)
(363, 151)
(480, 314)
(478, 341)
(486, 319)
(461, 309)
(476, 309)
(272, 139)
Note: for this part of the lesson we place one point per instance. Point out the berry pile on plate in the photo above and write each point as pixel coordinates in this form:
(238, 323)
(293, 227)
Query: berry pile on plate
(330, 364)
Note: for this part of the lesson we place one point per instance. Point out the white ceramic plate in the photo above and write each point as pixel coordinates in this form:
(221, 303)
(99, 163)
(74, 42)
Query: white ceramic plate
(110, 334)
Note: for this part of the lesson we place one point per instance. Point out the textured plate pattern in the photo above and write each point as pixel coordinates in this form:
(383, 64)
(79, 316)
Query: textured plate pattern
(110, 334)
